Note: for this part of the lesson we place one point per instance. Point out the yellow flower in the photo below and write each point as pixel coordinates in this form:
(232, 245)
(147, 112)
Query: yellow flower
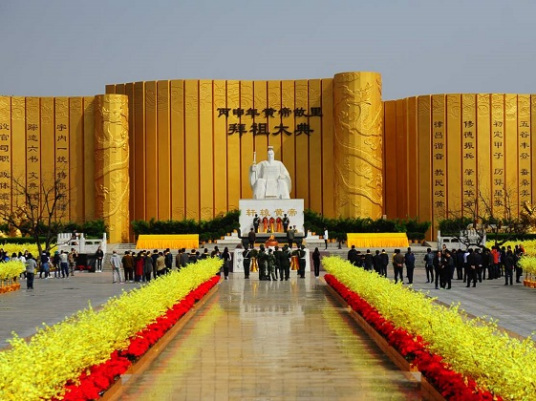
(502, 364)
(38, 369)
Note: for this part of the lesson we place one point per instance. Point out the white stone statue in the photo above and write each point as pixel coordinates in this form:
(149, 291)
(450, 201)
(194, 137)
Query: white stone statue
(269, 179)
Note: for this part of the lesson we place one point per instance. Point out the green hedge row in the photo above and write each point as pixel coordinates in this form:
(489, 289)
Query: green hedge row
(207, 229)
(315, 222)
(338, 227)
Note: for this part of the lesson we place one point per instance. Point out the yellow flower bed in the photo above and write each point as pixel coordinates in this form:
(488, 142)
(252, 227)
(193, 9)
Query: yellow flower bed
(475, 348)
(530, 246)
(40, 367)
(11, 269)
(10, 249)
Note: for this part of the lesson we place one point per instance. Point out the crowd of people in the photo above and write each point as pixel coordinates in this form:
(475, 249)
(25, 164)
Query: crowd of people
(444, 265)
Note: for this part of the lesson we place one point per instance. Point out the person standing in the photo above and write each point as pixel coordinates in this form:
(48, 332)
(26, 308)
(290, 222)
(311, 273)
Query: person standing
(271, 265)
(226, 256)
(251, 238)
(368, 261)
(284, 262)
(247, 262)
(518, 254)
(352, 255)
(459, 264)
(439, 264)
(326, 237)
(429, 265)
(262, 261)
(290, 237)
(154, 256)
(316, 262)
(409, 260)
(256, 222)
(508, 266)
(160, 264)
(385, 263)
(302, 255)
(31, 265)
(286, 222)
(139, 266)
(377, 262)
(147, 266)
(184, 258)
(115, 261)
(128, 266)
(448, 270)
(72, 260)
(479, 264)
(398, 264)
(278, 262)
(168, 260)
(45, 268)
(99, 256)
(471, 268)
(64, 264)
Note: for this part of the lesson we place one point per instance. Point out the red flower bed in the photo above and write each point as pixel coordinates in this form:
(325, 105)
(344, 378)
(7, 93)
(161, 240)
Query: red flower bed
(451, 384)
(100, 377)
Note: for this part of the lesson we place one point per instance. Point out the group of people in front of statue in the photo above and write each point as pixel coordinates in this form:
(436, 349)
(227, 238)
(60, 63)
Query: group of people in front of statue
(442, 265)
(274, 264)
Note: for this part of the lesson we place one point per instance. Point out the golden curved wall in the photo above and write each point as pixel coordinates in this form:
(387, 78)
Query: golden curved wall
(189, 160)
(358, 122)
(47, 139)
(111, 165)
(181, 149)
(448, 154)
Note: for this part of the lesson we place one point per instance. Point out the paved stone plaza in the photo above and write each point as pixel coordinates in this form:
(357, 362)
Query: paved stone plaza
(265, 340)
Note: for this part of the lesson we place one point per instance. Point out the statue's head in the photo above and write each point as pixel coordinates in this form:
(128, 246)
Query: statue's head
(271, 153)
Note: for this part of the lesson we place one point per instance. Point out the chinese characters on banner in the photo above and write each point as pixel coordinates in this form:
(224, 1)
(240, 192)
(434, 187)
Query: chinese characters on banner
(498, 174)
(266, 213)
(469, 162)
(62, 154)
(5, 151)
(32, 149)
(245, 126)
(523, 129)
(439, 158)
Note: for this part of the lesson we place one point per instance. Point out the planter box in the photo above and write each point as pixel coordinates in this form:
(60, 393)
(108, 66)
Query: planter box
(427, 390)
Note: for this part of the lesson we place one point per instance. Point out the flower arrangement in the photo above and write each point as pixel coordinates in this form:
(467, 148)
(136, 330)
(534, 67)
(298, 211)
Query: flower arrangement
(464, 359)
(81, 356)
(9, 271)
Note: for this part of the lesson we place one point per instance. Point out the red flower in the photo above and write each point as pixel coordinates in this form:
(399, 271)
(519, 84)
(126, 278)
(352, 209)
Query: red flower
(451, 384)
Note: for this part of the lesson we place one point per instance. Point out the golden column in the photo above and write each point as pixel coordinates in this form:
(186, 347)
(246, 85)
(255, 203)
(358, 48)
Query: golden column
(111, 165)
(358, 147)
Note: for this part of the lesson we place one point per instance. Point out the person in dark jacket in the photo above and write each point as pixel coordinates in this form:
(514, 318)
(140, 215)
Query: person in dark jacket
(368, 260)
(316, 262)
(471, 268)
(508, 266)
(409, 260)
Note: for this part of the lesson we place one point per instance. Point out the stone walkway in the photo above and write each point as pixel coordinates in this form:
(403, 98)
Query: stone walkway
(265, 340)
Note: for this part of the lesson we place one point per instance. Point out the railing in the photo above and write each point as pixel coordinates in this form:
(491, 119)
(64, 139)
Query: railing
(466, 239)
(78, 241)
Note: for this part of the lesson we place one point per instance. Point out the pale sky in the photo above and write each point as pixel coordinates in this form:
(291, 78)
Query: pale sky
(75, 48)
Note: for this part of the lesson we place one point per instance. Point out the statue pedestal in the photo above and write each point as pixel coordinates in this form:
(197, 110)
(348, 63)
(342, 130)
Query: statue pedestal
(275, 208)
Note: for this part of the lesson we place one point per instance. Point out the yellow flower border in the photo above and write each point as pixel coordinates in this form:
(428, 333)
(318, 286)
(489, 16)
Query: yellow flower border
(40, 367)
(10, 270)
(499, 363)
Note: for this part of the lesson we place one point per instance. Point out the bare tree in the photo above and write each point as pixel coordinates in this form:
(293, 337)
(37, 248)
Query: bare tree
(37, 210)
(483, 217)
